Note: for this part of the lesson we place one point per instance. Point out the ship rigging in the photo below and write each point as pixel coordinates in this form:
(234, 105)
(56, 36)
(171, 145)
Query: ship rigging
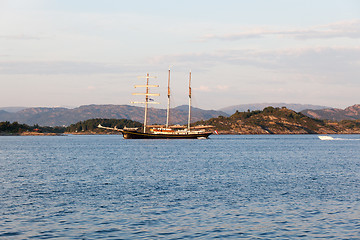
(167, 131)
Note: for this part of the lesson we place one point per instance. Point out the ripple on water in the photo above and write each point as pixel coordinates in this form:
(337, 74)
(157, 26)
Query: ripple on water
(228, 187)
(9, 234)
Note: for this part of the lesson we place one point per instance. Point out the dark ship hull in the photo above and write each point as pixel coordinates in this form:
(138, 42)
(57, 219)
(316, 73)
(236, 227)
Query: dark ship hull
(141, 135)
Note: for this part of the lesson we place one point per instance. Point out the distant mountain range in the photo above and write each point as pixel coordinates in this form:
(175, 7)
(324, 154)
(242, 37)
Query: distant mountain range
(260, 106)
(64, 116)
(12, 109)
(335, 114)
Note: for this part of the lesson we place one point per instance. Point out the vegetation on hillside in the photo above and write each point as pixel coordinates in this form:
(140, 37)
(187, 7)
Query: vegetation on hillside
(278, 121)
(91, 125)
(17, 128)
(88, 126)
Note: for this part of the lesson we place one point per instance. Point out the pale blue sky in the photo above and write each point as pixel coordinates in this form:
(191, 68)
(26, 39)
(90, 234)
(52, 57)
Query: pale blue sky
(71, 53)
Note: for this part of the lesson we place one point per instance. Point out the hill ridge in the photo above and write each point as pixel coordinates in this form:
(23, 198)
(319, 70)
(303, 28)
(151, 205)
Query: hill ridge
(279, 121)
(54, 116)
(297, 107)
(335, 114)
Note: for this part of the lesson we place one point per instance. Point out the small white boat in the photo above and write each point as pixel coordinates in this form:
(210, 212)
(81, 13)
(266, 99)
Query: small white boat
(325, 138)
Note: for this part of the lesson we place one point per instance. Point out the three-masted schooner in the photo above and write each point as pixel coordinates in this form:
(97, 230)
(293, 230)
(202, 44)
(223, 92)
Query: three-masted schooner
(167, 131)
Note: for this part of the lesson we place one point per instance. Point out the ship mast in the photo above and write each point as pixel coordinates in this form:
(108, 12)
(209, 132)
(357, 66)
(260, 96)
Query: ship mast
(147, 94)
(189, 101)
(168, 105)
(146, 101)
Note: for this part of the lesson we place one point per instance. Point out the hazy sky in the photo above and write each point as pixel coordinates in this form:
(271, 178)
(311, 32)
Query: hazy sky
(72, 53)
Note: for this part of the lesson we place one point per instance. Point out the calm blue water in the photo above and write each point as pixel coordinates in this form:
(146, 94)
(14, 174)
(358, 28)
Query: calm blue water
(226, 187)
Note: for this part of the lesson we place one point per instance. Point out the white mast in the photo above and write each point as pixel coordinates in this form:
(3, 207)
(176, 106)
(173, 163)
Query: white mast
(147, 94)
(168, 105)
(189, 119)
(146, 101)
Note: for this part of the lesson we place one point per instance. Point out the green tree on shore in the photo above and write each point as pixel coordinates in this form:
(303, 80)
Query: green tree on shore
(92, 124)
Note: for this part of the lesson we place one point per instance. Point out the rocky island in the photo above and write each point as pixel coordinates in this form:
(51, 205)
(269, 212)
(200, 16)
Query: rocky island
(279, 121)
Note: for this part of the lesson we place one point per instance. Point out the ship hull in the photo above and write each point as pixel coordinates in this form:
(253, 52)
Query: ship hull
(141, 135)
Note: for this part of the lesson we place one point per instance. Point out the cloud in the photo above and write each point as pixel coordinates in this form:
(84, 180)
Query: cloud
(19, 37)
(222, 87)
(344, 29)
(322, 61)
(216, 88)
(336, 62)
(60, 67)
(202, 88)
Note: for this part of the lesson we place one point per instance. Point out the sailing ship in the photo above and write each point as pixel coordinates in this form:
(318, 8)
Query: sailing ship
(161, 131)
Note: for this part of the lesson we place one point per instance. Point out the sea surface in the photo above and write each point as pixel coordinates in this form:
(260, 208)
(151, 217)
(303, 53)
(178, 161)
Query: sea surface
(225, 187)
